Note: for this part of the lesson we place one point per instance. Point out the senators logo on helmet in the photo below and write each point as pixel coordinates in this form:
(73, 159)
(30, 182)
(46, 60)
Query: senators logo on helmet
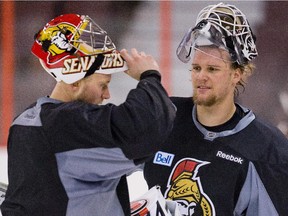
(77, 65)
(69, 45)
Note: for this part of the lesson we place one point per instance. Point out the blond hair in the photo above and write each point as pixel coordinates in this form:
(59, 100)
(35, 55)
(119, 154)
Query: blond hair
(246, 71)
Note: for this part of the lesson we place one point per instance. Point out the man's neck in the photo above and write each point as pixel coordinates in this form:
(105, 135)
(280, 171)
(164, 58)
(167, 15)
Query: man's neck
(61, 92)
(215, 115)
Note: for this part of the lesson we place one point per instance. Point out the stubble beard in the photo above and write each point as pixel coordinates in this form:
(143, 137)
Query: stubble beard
(207, 101)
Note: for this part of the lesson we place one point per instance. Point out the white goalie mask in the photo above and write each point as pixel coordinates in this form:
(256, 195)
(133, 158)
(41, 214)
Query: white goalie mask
(224, 26)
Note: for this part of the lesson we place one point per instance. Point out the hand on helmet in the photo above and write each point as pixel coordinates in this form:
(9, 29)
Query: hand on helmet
(138, 63)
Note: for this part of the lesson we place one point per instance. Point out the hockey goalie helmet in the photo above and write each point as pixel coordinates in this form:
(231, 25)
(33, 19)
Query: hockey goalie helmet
(71, 47)
(224, 26)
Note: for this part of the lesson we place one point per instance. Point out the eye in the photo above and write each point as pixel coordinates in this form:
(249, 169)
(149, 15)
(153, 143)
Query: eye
(195, 69)
(212, 69)
(104, 87)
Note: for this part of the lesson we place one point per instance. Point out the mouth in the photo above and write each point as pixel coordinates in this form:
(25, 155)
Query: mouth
(203, 87)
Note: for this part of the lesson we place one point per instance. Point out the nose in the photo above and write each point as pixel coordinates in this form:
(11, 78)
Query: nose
(201, 75)
(106, 94)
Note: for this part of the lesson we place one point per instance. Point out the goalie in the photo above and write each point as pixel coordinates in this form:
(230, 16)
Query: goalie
(67, 153)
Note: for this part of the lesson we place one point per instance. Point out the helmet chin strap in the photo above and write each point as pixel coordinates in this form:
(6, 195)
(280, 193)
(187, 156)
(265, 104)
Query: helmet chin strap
(96, 64)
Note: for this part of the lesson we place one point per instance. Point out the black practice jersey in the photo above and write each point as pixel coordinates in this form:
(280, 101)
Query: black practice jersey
(72, 158)
(241, 169)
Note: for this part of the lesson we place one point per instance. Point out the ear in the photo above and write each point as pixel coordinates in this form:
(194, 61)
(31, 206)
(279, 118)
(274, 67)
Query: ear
(75, 86)
(237, 75)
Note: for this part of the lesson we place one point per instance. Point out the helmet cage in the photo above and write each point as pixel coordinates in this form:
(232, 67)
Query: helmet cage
(224, 26)
(71, 45)
(93, 39)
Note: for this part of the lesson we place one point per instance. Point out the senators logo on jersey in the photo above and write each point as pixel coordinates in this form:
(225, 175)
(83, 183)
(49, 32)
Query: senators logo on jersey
(184, 187)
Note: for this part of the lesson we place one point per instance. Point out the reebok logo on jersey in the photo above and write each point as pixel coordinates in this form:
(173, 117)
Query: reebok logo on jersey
(163, 158)
(229, 157)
